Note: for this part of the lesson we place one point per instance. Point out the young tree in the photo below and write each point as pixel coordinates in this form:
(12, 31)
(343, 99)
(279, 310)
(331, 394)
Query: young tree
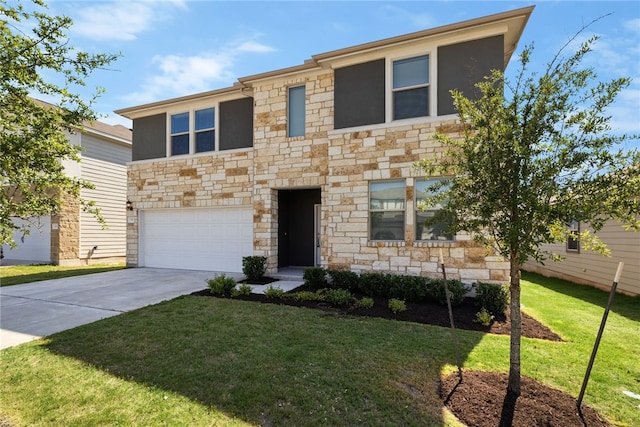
(34, 47)
(534, 155)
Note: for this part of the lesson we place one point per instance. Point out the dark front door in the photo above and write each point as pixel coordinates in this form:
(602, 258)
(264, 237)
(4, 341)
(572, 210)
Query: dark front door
(296, 231)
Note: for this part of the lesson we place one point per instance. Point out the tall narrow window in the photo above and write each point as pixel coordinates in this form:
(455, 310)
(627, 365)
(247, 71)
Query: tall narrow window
(180, 134)
(386, 210)
(426, 229)
(411, 87)
(205, 130)
(296, 122)
(573, 244)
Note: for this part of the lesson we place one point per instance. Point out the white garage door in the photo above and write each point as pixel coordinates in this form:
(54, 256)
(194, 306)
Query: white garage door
(196, 239)
(34, 247)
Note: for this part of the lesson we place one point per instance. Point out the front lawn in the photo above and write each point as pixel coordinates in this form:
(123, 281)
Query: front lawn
(210, 361)
(18, 274)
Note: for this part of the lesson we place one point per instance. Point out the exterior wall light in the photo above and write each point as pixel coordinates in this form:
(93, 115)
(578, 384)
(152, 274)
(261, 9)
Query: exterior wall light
(129, 205)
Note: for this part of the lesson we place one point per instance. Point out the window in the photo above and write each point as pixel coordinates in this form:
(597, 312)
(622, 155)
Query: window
(424, 229)
(386, 210)
(180, 134)
(411, 87)
(205, 130)
(573, 245)
(296, 111)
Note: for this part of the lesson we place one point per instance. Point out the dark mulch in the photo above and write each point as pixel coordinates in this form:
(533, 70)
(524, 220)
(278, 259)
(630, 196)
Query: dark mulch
(428, 313)
(478, 401)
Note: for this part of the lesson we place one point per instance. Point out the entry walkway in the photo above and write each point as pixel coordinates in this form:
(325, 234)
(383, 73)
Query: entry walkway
(38, 309)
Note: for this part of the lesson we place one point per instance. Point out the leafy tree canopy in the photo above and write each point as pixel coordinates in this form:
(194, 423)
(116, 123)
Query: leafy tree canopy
(34, 52)
(535, 154)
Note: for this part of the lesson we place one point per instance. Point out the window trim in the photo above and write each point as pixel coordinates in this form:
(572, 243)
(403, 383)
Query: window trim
(197, 131)
(418, 211)
(403, 210)
(304, 110)
(431, 53)
(172, 135)
(192, 132)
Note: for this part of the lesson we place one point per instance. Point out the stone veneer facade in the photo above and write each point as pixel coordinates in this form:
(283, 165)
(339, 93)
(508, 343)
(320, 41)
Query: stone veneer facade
(341, 163)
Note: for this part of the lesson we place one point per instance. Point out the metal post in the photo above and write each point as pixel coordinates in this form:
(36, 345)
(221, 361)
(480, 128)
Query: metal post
(597, 343)
(453, 328)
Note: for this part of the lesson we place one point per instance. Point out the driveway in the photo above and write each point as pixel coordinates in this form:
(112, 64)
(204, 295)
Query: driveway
(38, 309)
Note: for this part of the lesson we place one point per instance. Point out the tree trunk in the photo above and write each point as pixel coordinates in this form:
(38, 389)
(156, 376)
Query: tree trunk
(513, 388)
(516, 328)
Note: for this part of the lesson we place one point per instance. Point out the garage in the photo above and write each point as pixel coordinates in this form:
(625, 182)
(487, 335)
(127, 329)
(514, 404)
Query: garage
(213, 239)
(36, 246)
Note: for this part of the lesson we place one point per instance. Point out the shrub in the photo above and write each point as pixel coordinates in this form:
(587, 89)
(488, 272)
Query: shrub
(315, 277)
(338, 297)
(254, 267)
(365, 302)
(483, 317)
(273, 293)
(343, 279)
(307, 296)
(244, 289)
(457, 291)
(494, 298)
(374, 284)
(222, 285)
(397, 305)
(407, 288)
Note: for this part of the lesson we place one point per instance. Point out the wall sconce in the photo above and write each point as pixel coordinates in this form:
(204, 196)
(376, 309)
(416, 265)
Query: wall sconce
(129, 205)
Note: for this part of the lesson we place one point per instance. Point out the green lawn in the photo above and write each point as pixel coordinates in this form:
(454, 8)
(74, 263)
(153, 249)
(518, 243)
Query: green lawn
(206, 361)
(18, 274)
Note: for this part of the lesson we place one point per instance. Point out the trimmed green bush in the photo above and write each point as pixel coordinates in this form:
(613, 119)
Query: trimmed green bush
(244, 289)
(365, 302)
(457, 291)
(315, 277)
(483, 317)
(273, 293)
(397, 305)
(494, 298)
(374, 284)
(222, 285)
(343, 279)
(407, 288)
(254, 267)
(307, 296)
(338, 297)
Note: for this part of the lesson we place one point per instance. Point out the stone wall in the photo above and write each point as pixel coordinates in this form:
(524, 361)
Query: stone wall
(65, 233)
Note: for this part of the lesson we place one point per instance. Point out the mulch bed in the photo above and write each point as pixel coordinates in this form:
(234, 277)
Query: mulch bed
(479, 399)
(429, 313)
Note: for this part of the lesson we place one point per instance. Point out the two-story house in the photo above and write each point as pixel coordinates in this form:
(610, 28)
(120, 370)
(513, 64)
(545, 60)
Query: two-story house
(313, 164)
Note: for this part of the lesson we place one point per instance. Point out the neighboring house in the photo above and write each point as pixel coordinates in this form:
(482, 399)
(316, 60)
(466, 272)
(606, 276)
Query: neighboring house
(591, 268)
(74, 237)
(313, 164)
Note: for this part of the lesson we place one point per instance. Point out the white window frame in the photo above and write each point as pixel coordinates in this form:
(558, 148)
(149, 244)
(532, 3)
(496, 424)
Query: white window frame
(417, 211)
(372, 211)
(431, 52)
(192, 131)
(197, 131)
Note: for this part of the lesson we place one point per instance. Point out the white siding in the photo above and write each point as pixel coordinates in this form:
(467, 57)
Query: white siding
(592, 268)
(104, 165)
(34, 247)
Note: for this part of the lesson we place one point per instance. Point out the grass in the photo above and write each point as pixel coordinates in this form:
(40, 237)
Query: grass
(19, 274)
(207, 361)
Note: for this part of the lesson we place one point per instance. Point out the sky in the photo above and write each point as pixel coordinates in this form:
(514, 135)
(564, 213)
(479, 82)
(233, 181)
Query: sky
(173, 48)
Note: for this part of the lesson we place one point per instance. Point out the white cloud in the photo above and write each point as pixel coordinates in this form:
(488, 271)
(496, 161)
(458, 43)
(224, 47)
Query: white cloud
(180, 75)
(121, 20)
(397, 14)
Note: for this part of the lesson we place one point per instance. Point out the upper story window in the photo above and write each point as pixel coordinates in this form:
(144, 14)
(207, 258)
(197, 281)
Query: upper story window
(296, 111)
(387, 210)
(179, 134)
(205, 130)
(424, 229)
(411, 87)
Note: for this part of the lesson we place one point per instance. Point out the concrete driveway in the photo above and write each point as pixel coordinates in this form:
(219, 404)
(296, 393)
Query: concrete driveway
(38, 309)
